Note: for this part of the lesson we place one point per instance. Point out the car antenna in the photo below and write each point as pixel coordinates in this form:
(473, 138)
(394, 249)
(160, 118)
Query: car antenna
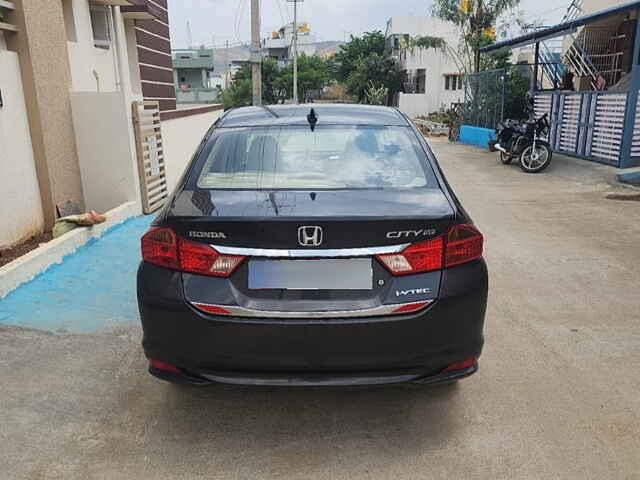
(312, 118)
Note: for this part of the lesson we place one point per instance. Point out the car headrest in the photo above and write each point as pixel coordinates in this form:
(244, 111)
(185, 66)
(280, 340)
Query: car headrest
(263, 154)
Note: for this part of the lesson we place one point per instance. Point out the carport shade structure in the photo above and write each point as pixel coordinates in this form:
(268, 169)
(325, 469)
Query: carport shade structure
(572, 26)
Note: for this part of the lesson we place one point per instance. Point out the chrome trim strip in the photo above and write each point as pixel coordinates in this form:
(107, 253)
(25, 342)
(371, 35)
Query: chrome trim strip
(299, 253)
(238, 311)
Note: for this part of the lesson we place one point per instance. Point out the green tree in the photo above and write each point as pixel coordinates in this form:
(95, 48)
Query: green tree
(516, 102)
(313, 74)
(357, 48)
(383, 70)
(477, 22)
(271, 88)
(238, 94)
(496, 59)
(283, 84)
(376, 95)
(277, 84)
(366, 59)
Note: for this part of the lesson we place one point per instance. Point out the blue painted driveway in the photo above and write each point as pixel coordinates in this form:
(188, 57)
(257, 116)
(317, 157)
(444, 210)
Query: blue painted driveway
(92, 290)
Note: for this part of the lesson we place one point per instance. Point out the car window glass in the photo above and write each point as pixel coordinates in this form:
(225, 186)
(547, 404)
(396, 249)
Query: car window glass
(330, 157)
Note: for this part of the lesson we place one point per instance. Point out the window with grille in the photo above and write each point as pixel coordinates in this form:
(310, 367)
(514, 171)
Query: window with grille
(453, 82)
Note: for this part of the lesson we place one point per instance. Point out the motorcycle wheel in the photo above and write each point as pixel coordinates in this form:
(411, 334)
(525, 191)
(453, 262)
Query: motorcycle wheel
(534, 162)
(505, 159)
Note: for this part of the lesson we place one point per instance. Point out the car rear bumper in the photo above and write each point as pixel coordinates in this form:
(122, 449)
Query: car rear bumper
(415, 347)
(311, 379)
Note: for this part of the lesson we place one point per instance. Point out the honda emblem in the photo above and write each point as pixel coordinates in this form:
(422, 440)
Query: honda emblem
(310, 236)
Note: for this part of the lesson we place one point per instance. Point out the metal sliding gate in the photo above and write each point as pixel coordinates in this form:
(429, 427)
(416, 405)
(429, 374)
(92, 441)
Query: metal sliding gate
(586, 124)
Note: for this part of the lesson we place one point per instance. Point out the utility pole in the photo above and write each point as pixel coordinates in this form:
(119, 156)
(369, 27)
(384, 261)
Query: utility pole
(226, 66)
(295, 49)
(256, 56)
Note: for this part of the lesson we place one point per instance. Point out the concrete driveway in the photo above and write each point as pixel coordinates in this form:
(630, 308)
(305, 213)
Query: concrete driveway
(556, 396)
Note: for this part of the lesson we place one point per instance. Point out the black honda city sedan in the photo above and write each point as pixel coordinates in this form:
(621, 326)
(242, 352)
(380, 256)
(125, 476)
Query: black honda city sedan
(312, 245)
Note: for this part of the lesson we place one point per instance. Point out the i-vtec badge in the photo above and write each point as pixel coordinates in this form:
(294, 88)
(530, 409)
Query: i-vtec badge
(214, 235)
(423, 232)
(413, 291)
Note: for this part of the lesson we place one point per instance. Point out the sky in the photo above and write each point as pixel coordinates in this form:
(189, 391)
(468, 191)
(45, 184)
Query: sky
(229, 20)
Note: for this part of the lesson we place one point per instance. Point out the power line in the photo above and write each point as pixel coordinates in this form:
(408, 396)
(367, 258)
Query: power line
(236, 26)
(239, 16)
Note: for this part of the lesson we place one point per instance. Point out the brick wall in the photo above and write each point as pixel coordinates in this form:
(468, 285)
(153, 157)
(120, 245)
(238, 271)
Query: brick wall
(154, 54)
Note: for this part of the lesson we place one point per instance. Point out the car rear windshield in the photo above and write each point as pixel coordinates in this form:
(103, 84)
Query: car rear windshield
(330, 157)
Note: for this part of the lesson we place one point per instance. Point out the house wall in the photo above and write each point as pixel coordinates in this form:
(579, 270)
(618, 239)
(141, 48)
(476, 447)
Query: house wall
(436, 66)
(107, 159)
(92, 68)
(180, 139)
(193, 77)
(103, 124)
(415, 104)
(435, 62)
(66, 130)
(21, 209)
(41, 45)
(421, 25)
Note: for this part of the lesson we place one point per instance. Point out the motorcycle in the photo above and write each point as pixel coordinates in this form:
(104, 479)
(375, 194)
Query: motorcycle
(524, 140)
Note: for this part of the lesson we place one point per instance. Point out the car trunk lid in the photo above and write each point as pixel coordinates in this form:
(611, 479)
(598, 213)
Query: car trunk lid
(310, 220)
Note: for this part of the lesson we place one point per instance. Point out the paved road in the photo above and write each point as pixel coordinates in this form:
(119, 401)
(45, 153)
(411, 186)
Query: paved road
(557, 395)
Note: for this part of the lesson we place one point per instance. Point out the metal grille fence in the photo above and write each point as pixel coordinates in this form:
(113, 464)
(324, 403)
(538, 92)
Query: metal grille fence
(494, 95)
(484, 98)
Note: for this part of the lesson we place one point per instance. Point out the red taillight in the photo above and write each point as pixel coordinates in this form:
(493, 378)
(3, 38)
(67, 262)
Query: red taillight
(205, 260)
(461, 365)
(462, 244)
(162, 247)
(419, 257)
(165, 367)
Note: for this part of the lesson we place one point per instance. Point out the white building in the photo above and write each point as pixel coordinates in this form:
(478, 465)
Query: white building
(280, 45)
(434, 81)
(67, 93)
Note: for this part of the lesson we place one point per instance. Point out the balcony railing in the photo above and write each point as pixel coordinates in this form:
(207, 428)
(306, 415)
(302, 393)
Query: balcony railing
(196, 95)
(5, 7)
(113, 3)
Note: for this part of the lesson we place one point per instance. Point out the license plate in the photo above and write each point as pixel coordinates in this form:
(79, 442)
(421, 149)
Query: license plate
(321, 274)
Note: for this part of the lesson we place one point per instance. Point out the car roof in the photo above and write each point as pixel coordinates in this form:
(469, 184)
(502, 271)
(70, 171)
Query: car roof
(327, 114)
